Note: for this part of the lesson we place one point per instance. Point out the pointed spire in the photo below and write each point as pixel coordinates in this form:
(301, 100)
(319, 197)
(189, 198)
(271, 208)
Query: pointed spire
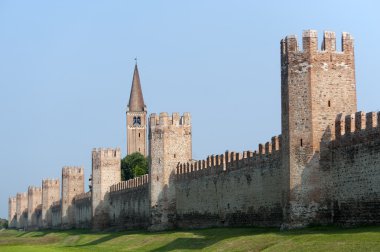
(136, 99)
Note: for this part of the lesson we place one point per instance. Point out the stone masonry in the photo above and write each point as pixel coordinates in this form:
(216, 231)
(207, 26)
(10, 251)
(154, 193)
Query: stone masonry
(50, 194)
(324, 168)
(34, 201)
(72, 184)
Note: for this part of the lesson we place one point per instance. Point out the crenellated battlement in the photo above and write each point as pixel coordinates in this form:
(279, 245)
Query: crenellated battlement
(34, 189)
(21, 195)
(72, 170)
(310, 43)
(83, 196)
(164, 119)
(229, 161)
(106, 152)
(360, 122)
(130, 184)
(50, 182)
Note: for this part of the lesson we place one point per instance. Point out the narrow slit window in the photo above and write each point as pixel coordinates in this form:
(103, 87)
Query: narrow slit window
(329, 103)
(301, 142)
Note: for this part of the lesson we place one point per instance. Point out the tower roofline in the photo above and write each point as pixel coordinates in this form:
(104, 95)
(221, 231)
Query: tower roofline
(136, 99)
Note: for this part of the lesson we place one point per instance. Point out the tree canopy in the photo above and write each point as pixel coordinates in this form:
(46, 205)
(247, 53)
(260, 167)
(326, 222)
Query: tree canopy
(133, 165)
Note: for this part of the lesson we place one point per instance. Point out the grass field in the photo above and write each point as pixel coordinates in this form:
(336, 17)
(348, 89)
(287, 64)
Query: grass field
(215, 239)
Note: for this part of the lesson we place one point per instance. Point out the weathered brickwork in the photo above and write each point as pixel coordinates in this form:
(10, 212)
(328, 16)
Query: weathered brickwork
(22, 210)
(12, 216)
(50, 193)
(324, 168)
(34, 202)
(355, 162)
(72, 185)
(129, 203)
(105, 172)
(169, 144)
(83, 210)
(232, 189)
(56, 215)
(316, 86)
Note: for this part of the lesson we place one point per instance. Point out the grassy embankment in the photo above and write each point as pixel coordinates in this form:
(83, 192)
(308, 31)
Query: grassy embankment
(221, 239)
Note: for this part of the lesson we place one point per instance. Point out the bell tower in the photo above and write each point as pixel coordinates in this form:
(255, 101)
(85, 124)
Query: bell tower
(136, 118)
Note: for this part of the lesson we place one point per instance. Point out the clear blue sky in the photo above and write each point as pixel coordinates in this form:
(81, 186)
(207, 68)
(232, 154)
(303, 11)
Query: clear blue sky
(66, 70)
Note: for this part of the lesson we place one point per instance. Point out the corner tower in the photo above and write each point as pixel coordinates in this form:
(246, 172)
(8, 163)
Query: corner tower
(136, 118)
(316, 85)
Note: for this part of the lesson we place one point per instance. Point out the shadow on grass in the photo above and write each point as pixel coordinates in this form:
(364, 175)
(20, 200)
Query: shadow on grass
(213, 236)
(203, 238)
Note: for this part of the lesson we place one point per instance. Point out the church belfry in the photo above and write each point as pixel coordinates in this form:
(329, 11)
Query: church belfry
(136, 118)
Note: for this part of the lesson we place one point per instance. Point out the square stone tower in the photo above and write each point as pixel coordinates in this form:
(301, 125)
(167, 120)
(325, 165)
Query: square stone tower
(34, 200)
(12, 212)
(316, 85)
(72, 185)
(50, 194)
(22, 209)
(169, 144)
(136, 118)
(106, 171)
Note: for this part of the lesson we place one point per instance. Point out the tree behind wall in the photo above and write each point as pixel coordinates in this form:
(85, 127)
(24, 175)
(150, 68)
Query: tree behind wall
(133, 165)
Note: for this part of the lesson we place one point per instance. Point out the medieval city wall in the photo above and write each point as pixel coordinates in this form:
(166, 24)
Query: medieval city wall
(56, 215)
(355, 169)
(129, 203)
(232, 189)
(82, 210)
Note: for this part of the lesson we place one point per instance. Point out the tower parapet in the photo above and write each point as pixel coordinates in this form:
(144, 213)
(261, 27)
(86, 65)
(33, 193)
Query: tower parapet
(169, 144)
(50, 194)
(72, 185)
(106, 171)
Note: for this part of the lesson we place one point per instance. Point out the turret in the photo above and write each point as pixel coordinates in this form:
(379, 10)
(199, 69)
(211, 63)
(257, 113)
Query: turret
(50, 194)
(106, 171)
(72, 185)
(316, 85)
(169, 144)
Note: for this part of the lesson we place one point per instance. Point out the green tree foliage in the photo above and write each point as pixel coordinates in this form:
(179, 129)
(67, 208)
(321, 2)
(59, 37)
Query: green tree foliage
(133, 165)
(3, 223)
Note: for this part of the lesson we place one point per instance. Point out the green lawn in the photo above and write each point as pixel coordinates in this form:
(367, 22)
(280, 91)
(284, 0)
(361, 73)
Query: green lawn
(214, 239)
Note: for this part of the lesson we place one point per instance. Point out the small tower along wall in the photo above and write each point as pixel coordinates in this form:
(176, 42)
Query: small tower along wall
(12, 217)
(22, 209)
(50, 194)
(106, 171)
(34, 200)
(72, 185)
(169, 144)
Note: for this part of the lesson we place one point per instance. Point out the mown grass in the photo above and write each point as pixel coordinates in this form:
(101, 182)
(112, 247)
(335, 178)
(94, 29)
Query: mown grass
(214, 239)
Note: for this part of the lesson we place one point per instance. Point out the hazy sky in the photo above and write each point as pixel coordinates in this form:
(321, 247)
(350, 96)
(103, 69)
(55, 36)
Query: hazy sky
(66, 69)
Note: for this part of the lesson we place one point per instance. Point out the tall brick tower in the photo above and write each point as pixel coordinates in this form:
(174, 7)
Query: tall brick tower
(12, 212)
(169, 144)
(316, 85)
(72, 185)
(34, 199)
(136, 118)
(105, 172)
(50, 194)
